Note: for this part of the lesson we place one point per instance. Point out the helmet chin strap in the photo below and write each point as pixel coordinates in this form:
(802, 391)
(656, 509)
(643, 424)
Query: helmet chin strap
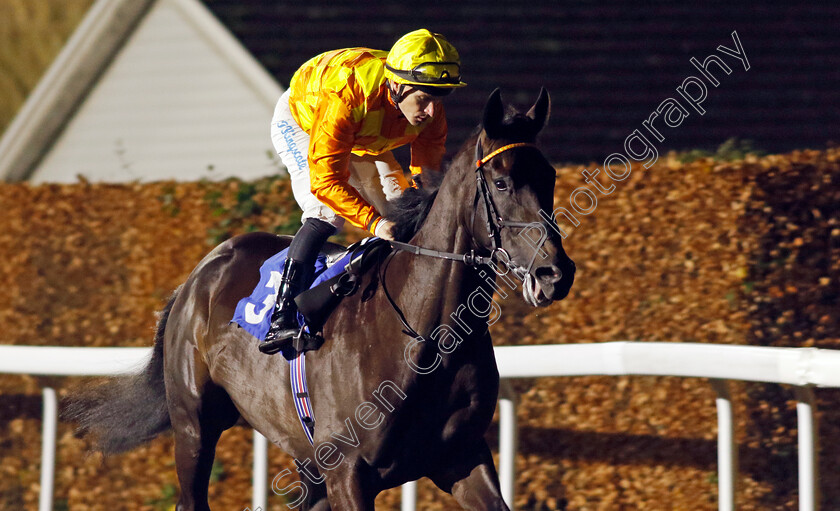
(399, 95)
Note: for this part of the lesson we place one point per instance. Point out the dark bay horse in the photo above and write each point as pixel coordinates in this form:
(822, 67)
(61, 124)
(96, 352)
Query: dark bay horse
(389, 407)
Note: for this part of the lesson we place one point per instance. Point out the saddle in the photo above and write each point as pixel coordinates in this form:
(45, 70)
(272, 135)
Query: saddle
(338, 273)
(317, 304)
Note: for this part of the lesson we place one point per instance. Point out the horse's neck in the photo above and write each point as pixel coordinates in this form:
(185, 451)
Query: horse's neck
(447, 229)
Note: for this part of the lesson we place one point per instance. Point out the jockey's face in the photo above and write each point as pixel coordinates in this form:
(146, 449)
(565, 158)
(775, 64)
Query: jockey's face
(418, 106)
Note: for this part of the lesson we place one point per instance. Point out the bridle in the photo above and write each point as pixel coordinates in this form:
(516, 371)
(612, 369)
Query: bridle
(494, 223)
(493, 220)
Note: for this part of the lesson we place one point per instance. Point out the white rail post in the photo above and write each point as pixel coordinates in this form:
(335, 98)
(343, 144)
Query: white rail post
(507, 441)
(727, 448)
(409, 496)
(48, 431)
(809, 495)
(259, 497)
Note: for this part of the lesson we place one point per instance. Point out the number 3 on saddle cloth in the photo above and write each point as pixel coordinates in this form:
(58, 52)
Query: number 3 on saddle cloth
(332, 283)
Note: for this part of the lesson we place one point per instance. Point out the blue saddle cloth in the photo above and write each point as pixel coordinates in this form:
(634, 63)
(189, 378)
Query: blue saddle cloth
(253, 313)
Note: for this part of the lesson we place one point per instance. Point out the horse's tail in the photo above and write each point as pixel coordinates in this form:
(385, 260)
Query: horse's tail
(129, 410)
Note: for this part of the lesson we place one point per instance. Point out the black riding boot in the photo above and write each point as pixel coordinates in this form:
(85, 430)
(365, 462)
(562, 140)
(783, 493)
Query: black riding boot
(297, 273)
(284, 324)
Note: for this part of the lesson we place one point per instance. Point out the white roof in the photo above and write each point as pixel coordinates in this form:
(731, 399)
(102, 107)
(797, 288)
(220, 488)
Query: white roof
(145, 90)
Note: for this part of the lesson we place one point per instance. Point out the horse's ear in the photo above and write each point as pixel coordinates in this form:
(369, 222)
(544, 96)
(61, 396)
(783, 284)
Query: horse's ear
(541, 109)
(494, 112)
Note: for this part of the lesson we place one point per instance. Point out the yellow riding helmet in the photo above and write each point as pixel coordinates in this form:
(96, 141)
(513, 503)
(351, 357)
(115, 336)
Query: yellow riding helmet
(424, 58)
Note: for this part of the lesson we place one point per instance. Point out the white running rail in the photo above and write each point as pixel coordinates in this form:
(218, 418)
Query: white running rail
(804, 368)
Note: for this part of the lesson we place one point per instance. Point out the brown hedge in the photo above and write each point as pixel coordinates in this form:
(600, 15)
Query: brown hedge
(742, 252)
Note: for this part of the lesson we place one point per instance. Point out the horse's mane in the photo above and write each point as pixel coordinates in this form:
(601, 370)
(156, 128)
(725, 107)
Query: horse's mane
(410, 209)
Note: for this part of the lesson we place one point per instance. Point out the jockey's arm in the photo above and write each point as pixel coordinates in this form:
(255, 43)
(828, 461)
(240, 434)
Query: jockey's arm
(331, 140)
(417, 179)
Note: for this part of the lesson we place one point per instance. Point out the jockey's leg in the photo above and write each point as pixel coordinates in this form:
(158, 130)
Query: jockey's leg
(296, 277)
(319, 223)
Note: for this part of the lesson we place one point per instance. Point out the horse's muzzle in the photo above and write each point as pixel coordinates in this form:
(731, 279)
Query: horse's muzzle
(548, 284)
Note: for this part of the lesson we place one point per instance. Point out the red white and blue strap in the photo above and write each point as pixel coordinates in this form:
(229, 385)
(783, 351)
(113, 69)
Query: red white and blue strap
(300, 395)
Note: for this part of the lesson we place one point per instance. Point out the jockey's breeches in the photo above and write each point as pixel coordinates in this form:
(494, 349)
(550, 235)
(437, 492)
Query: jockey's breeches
(378, 178)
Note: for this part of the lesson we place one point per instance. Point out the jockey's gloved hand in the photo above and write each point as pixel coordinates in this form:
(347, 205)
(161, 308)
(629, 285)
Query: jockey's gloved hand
(383, 229)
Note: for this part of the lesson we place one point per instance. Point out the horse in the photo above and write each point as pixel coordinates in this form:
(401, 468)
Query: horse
(389, 407)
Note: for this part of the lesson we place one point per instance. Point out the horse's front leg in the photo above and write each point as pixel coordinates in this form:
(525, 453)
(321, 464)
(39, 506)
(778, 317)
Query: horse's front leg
(470, 476)
(349, 489)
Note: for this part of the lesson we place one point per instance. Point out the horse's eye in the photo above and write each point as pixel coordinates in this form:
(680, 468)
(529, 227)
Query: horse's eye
(501, 184)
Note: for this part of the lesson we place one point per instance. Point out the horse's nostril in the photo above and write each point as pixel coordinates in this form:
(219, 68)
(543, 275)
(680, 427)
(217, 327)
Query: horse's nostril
(551, 273)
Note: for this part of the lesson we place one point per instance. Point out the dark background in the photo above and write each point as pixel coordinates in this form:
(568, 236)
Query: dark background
(607, 64)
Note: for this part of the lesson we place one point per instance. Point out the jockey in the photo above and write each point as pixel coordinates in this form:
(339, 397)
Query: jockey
(334, 129)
